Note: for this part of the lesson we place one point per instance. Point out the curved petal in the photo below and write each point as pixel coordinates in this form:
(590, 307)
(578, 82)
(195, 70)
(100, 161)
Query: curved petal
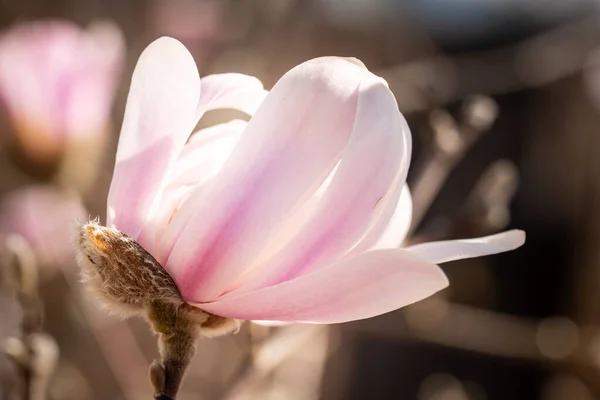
(360, 287)
(231, 90)
(170, 202)
(377, 156)
(200, 160)
(450, 250)
(286, 230)
(159, 117)
(398, 226)
(308, 115)
(392, 225)
(206, 152)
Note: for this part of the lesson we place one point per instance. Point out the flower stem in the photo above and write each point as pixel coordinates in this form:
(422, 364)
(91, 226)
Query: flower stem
(177, 334)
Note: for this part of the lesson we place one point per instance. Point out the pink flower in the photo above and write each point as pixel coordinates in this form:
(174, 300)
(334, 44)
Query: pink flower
(58, 81)
(296, 215)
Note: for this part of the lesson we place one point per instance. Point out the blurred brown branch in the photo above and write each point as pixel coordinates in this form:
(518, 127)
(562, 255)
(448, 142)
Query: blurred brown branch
(556, 340)
(452, 139)
(115, 339)
(541, 60)
(268, 354)
(10, 327)
(34, 352)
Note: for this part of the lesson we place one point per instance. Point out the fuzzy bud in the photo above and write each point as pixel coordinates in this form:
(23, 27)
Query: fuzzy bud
(120, 272)
(129, 281)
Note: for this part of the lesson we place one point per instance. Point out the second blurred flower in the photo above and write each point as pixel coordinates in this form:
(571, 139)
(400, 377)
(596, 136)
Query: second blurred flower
(57, 85)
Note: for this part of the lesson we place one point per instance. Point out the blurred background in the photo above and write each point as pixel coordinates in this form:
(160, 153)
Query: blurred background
(503, 100)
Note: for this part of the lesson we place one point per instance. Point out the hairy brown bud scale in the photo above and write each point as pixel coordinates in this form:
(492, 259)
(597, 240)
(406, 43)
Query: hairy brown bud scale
(121, 272)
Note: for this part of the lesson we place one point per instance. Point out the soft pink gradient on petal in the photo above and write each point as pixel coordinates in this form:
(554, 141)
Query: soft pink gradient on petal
(284, 233)
(378, 149)
(236, 91)
(386, 222)
(362, 286)
(398, 226)
(200, 160)
(206, 152)
(450, 250)
(159, 117)
(308, 115)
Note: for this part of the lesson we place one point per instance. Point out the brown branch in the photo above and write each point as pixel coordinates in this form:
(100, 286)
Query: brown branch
(269, 355)
(555, 340)
(541, 60)
(34, 352)
(452, 139)
(115, 338)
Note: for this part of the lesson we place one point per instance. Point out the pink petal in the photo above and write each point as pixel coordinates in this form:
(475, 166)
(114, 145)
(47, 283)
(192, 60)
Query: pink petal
(200, 160)
(450, 250)
(376, 158)
(392, 225)
(160, 115)
(308, 115)
(236, 91)
(286, 231)
(170, 202)
(206, 152)
(388, 207)
(398, 226)
(359, 287)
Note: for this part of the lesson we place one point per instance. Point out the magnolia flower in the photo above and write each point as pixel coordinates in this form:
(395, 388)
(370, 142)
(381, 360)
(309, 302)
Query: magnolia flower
(294, 216)
(57, 82)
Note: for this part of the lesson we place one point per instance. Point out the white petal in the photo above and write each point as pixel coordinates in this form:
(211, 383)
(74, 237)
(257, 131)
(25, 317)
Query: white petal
(236, 91)
(159, 117)
(359, 287)
(399, 224)
(450, 250)
(307, 116)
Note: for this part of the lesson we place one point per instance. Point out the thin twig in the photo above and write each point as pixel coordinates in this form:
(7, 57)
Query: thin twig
(272, 352)
(35, 352)
(451, 141)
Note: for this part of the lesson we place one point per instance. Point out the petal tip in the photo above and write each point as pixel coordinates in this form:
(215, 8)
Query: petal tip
(168, 47)
(514, 239)
(444, 281)
(356, 61)
(439, 280)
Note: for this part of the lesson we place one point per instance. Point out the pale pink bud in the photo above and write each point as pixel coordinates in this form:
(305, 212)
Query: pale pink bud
(58, 81)
(294, 216)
